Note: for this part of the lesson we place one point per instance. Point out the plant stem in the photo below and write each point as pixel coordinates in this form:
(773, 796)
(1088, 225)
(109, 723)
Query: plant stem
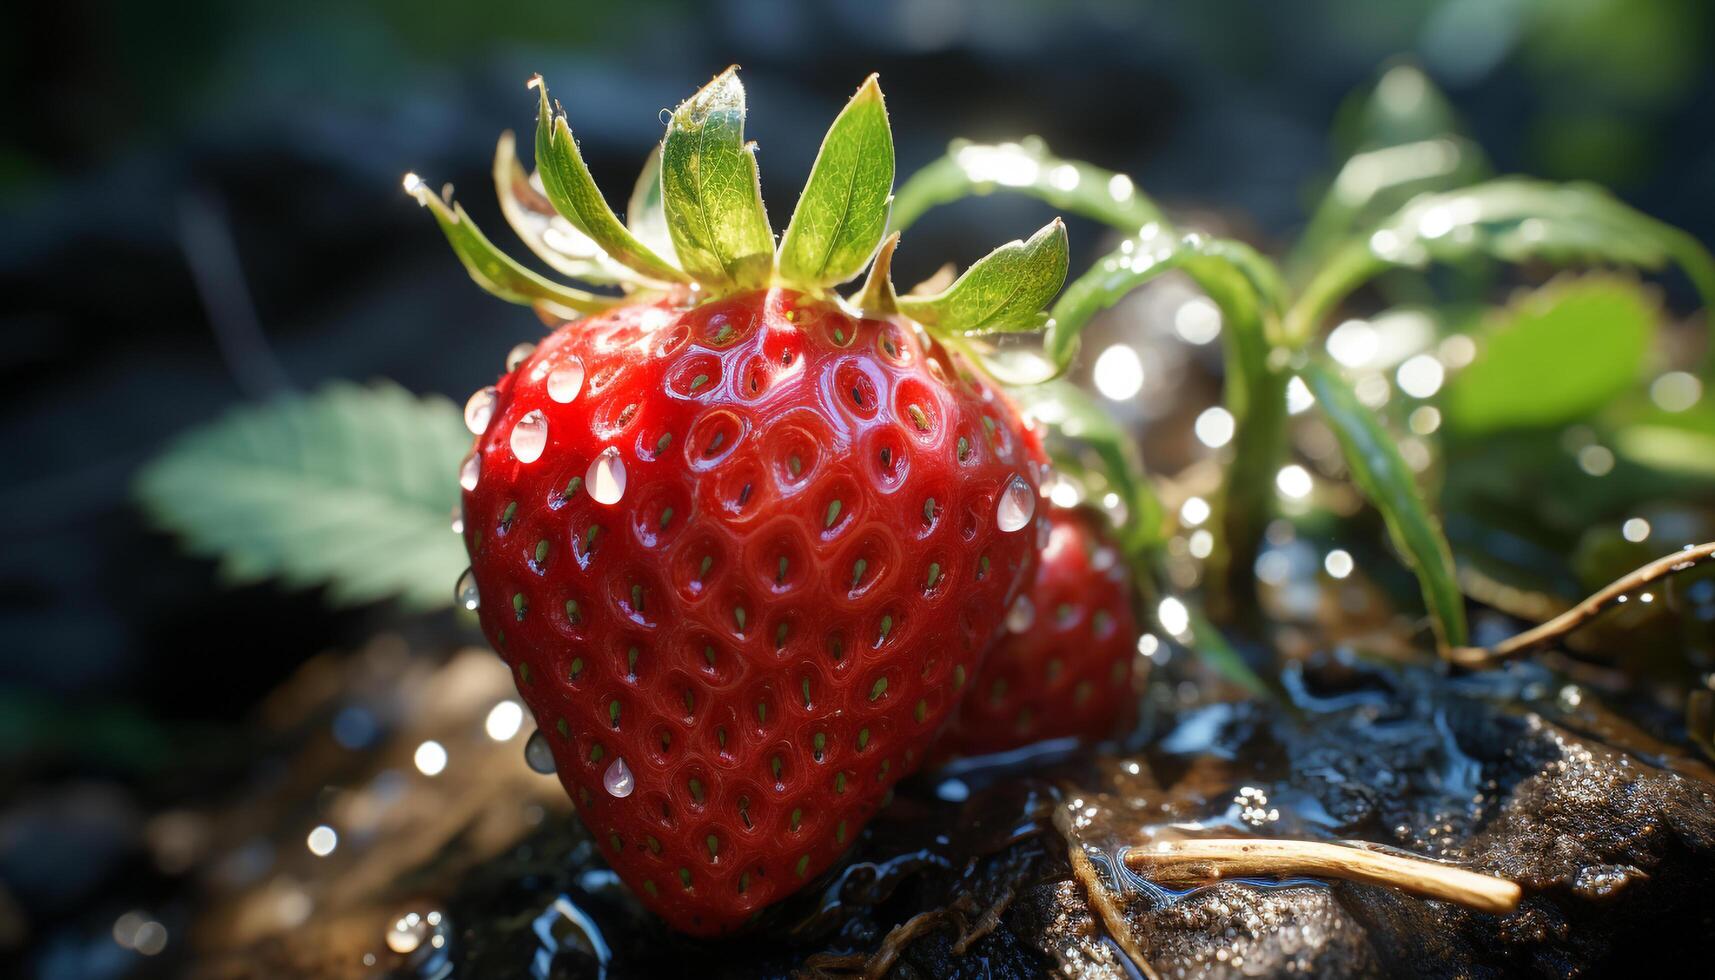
(1190, 862)
(1612, 594)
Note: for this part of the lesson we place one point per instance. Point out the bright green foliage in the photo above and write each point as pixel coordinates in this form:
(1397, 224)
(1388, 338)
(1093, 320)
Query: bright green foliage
(1555, 356)
(710, 191)
(350, 488)
(1026, 167)
(1390, 486)
(1004, 290)
(574, 194)
(644, 214)
(555, 241)
(842, 213)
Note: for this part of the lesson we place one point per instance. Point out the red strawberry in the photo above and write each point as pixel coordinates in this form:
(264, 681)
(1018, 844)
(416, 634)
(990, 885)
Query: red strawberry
(743, 546)
(1064, 666)
(743, 559)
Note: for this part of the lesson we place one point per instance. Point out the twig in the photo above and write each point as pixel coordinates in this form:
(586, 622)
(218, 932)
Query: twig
(1612, 594)
(986, 924)
(1113, 918)
(1189, 862)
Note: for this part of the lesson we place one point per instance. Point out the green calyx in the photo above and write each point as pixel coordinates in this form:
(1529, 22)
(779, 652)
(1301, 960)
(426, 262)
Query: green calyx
(696, 227)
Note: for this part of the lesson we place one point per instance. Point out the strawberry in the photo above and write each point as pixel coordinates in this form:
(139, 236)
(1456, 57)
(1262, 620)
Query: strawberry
(1064, 666)
(743, 542)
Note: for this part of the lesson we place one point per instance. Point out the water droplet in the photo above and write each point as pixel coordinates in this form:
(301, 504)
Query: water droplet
(457, 519)
(516, 355)
(530, 437)
(407, 933)
(471, 471)
(606, 477)
(1017, 505)
(1021, 615)
(479, 410)
(566, 381)
(538, 755)
(465, 593)
(618, 780)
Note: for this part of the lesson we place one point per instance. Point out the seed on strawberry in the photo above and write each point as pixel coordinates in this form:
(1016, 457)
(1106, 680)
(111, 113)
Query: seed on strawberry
(1063, 667)
(741, 541)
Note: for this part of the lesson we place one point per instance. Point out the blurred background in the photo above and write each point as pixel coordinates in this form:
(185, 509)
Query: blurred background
(200, 205)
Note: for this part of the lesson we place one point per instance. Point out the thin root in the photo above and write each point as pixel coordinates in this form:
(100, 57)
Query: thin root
(1612, 594)
(1113, 918)
(1191, 862)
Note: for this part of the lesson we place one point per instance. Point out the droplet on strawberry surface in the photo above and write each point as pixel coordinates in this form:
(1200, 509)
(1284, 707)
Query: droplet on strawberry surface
(470, 472)
(538, 754)
(618, 780)
(606, 477)
(1017, 505)
(530, 436)
(1021, 615)
(479, 410)
(465, 591)
(517, 355)
(566, 381)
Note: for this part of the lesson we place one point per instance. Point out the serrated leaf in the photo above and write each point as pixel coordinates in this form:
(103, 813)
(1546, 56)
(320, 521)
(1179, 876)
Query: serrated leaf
(1381, 474)
(348, 488)
(573, 191)
(1555, 356)
(710, 192)
(1073, 416)
(555, 241)
(1513, 219)
(497, 272)
(643, 214)
(842, 213)
(1026, 167)
(1004, 290)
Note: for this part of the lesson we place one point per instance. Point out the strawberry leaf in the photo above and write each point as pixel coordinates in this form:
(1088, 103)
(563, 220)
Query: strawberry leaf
(1004, 290)
(496, 272)
(1026, 167)
(350, 488)
(1558, 355)
(643, 214)
(842, 212)
(710, 192)
(1513, 219)
(570, 187)
(555, 241)
(1380, 472)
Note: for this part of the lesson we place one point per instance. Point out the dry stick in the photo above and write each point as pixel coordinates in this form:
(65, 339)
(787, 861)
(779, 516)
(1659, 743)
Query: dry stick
(1578, 615)
(1189, 862)
(1113, 918)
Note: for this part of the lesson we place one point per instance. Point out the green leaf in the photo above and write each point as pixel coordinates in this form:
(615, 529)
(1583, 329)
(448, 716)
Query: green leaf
(494, 271)
(1072, 415)
(1244, 284)
(555, 241)
(842, 213)
(1403, 106)
(1026, 167)
(1557, 355)
(574, 194)
(1513, 219)
(1004, 290)
(643, 212)
(1388, 483)
(350, 488)
(710, 191)
(1374, 182)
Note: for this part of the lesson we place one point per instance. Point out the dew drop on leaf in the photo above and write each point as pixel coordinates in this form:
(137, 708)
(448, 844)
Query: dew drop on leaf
(566, 381)
(618, 780)
(465, 593)
(1017, 505)
(479, 410)
(606, 477)
(538, 755)
(530, 437)
(471, 471)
